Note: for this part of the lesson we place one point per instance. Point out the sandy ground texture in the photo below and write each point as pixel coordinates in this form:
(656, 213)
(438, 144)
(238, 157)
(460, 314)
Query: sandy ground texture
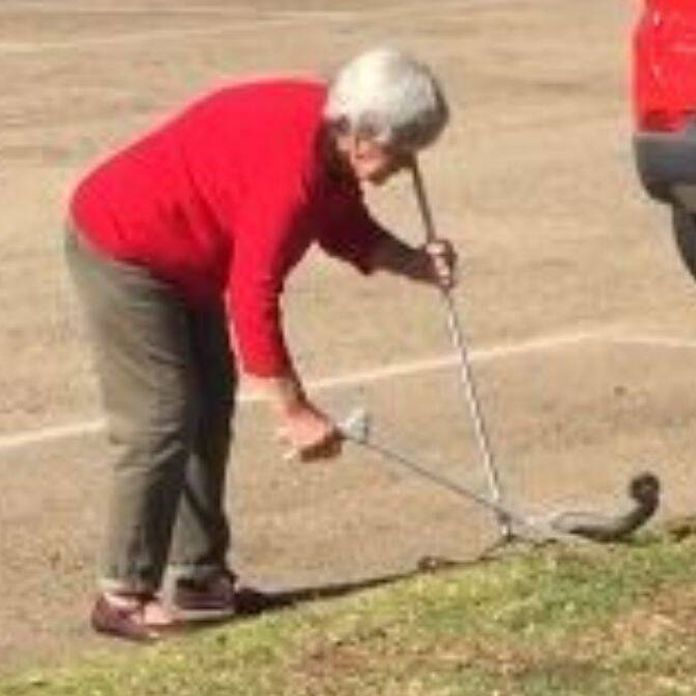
(579, 313)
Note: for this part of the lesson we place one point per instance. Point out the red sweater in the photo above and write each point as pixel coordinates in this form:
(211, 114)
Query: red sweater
(224, 199)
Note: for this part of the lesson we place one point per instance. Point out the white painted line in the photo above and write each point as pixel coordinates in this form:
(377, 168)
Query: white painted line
(395, 370)
(58, 432)
(401, 369)
(26, 7)
(251, 22)
(24, 47)
(405, 369)
(656, 341)
(244, 12)
(48, 7)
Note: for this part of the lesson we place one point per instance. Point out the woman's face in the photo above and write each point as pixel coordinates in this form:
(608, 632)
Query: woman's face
(370, 161)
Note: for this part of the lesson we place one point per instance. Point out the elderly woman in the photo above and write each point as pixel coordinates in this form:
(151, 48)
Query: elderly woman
(193, 227)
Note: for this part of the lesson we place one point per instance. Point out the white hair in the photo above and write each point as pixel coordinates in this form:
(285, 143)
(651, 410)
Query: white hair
(387, 95)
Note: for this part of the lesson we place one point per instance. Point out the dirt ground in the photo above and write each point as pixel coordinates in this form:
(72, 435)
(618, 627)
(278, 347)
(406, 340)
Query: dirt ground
(580, 316)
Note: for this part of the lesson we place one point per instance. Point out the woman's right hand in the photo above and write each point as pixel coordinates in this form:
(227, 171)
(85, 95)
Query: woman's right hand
(309, 433)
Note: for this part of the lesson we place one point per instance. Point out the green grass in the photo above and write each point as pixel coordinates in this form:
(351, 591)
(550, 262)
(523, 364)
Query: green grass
(556, 621)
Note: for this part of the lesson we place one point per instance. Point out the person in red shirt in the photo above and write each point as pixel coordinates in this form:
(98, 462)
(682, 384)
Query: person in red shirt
(194, 227)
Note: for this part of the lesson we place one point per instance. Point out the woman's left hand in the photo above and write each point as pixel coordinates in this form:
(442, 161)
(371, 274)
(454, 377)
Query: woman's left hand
(441, 262)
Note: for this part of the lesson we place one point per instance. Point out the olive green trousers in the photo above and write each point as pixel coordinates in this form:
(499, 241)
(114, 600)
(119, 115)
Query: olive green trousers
(168, 383)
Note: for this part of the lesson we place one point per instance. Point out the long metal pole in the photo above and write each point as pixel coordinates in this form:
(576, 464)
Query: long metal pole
(441, 481)
(466, 373)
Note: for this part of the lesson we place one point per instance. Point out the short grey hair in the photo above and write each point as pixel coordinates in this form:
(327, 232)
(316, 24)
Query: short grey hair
(388, 96)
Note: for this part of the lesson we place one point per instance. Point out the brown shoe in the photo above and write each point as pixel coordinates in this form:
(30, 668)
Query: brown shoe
(138, 617)
(206, 600)
(219, 597)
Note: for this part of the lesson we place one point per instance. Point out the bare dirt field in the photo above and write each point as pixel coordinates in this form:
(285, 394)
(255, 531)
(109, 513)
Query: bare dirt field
(580, 317)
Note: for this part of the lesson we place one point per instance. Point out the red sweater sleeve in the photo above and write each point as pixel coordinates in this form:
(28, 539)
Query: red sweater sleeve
(253, 301)
(269, 244)
(347, 230)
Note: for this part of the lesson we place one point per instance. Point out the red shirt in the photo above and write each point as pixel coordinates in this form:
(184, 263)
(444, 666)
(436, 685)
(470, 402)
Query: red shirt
(224, 199)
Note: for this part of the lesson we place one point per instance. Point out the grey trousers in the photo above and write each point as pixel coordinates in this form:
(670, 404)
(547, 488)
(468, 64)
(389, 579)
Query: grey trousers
(168, 384)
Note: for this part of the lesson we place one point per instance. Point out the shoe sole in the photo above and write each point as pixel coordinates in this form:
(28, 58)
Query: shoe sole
(201, 615)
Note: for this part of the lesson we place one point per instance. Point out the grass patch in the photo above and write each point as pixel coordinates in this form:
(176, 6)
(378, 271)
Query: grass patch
(556, 621)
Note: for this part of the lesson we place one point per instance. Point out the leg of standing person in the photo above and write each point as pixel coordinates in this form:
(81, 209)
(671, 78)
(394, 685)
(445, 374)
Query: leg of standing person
(201, 540)
(140, 330)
